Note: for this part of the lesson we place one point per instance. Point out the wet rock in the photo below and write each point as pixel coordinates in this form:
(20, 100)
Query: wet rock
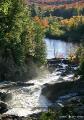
(74, 100)
(24, 84)
(13, 117)
(60, 61)
(70, 104)
(5, 96)
(64, 73)
(81, 93)
(3, 107)
(66, 61)
(79, 110)
(73, 109)
(53, 91)
(53, 61)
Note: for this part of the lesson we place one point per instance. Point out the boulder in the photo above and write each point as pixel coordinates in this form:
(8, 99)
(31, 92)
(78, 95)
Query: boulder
(3, 107)
(53, 91)
(5, 96)
(24, 84)
(66, 61)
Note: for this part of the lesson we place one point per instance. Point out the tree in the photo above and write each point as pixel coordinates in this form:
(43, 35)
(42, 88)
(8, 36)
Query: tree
(18, 33)
(80, 56)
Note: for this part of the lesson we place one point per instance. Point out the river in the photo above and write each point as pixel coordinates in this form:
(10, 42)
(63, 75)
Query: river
(59, 48)
(27, 100)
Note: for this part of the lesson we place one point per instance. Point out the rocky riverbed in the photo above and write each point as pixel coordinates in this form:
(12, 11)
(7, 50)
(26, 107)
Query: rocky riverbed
(58, 89)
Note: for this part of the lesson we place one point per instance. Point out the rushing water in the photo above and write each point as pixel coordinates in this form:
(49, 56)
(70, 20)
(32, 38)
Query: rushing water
(59, 48)
(28, 99)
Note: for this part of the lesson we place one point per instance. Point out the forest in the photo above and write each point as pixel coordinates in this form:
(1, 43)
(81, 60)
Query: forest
(20, 38)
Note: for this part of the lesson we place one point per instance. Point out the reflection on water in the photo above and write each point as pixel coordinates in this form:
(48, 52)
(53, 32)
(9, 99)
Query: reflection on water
(58, 48)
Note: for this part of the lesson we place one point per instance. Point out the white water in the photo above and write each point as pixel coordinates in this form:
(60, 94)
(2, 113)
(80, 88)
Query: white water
(28, 100)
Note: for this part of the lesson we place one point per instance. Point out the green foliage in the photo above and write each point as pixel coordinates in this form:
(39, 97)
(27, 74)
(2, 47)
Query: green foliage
(80, 56)
(40, 51)
(69, 111)
(21, 41)
(18, 33)
(68, 29)
(62, 113)
(74, 28)
(13, 22)
(54, 27)
(36, 11)
(50, 115)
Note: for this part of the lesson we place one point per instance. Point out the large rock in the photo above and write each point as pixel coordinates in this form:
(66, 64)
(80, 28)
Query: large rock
(3, 107)
(5, 96)
(13, 117)
(24, 84)
(53, 91)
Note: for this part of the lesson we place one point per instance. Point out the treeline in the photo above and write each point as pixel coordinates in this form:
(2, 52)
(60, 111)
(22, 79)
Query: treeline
(63, 23)
(62, 11)
(74, 28)
(57, 4)
(67, 29)
(80, 57)
(65, 13)
(21, 40)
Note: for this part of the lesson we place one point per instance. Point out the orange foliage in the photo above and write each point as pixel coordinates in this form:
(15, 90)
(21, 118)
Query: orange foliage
(45, 23)
(41, 22)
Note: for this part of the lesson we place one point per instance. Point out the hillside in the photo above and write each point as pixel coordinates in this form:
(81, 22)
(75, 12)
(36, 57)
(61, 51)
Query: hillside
(57, 3)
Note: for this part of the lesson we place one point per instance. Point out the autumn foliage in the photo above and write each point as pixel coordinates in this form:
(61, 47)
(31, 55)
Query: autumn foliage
(56, 4)
(73, 22)
(42, 22)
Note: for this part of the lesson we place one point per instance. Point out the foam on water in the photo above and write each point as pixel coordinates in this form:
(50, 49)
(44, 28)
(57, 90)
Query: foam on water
(28, 100)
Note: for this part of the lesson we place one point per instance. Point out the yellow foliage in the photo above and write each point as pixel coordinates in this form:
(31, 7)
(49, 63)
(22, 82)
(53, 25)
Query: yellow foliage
(73, 22)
